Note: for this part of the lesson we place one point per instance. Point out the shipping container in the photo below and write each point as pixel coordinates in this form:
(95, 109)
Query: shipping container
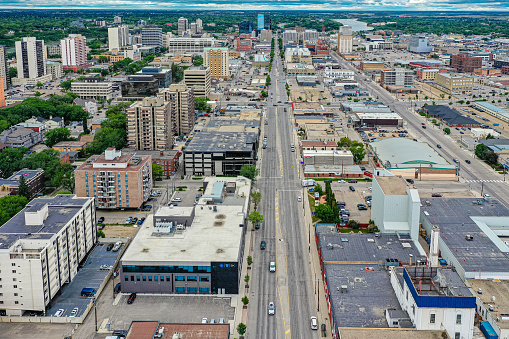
(487, 330)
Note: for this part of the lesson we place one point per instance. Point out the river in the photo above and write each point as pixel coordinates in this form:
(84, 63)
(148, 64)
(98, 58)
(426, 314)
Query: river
(357, 26)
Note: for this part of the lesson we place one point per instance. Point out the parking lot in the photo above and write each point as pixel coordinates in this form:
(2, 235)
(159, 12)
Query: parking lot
(90, 276)
(191, 188)
(343, 193)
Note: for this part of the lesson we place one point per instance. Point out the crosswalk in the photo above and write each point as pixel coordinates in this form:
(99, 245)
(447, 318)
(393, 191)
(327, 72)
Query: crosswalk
(484, 180)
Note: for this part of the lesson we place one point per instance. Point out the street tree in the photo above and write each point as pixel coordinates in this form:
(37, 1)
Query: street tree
(249, 171)
(241, 329)
(255, 217)
(256, 197)
(325, 213)
(157, 171)
(55, 136)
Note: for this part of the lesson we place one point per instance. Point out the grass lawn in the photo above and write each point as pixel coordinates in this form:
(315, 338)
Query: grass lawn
(312, 207)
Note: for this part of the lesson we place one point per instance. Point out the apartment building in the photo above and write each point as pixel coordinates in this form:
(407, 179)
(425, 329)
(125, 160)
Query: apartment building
(397, 77)
(55, 69)
(93, 88)
(115, 179)
(74, 52)
(308, 34)
(198, 78)
(189, 45)
(33, 178)
(151, 35)
(181, 98)
(454, 83)
(464, 63)
(31, 58)
(118, 37)
(243, 45)
(2, 92)
(17, 136)
(41, 250)
(290, 36)
(183, 26)
(218, 60)
(4, 69)
(148, 124)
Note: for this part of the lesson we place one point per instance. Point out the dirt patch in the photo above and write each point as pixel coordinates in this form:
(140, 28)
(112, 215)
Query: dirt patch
(120, 231)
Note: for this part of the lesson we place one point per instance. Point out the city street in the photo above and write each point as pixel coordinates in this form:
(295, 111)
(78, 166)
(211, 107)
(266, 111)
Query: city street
(291, 286)
(478, 175)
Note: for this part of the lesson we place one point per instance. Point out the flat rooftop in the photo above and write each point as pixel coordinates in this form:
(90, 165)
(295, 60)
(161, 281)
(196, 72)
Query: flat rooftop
(221, 142)
(62, 208)
(459, 217)
(368, 294)
(392, 185)
(213, 236)
(500, 290)
(389, 333)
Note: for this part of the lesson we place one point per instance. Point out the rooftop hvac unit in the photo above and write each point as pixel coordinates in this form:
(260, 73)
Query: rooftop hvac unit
(469, 237)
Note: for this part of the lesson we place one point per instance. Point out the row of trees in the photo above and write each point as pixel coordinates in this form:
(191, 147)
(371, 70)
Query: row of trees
(484, 153)
(357, 148)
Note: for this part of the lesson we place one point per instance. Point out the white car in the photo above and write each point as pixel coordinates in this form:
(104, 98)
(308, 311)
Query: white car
(74, 312)
(272, 266)
(204, 321)
(176, 200)
(60, 312)
(272, 309)
(299, 199)
(314, 323)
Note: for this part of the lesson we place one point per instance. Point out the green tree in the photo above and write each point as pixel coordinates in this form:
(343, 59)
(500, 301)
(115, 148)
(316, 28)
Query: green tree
(267, 81)
(255, 217)
(318, 189)
(13, 72)
(157, 171)
(177, 73)
(447, 130)
(85, 126)
(197, 60)
(256, 197)
(264, 94)
(249, 260)
(481, 150)
(491, 158)
(101, 234)
(39, 84)
(353, 224)
(10, 205)
(249, 171)
(345, 142)
(55, 136)
(325, 213)
(489, 136)
(241, 329)
(245, 300)
(102, 59)
(200, 104)
(23, 189)
(66, 85)
(358, 152)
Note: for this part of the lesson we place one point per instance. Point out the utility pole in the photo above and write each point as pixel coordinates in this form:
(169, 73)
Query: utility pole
(95, 311)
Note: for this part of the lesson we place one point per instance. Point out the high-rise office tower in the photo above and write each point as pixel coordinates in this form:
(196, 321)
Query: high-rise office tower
(261, 22)
(151, 35)
(117, 19)
(246, 27)
(4, 69)
(345, 39)
(74, 52)
(199, 25)
(31, 57)
(118, 37)
(183, 25)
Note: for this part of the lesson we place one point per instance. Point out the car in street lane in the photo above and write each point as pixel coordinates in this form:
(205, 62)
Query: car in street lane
(455, 160)
(314, 323)
(468, 161)
(272, 266)
(272, 309)
(439, 146)
(263, 245)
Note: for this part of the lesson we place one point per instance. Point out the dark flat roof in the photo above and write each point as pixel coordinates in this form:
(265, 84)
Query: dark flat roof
(221, 142)
(450, 116)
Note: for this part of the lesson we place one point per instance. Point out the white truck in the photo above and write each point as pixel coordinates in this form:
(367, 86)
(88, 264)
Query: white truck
(308, 182)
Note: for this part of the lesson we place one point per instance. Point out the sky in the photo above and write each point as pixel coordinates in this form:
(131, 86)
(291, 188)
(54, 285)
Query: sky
(258, 5)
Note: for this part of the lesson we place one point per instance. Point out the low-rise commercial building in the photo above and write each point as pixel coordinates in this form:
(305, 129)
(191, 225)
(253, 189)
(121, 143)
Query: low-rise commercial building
(497, 112)
(426, 74)
(43, 247)
(450, 117)
(163, 75)
(93, 88)
(454, 83)
(219, 153)
(33, 178)
(115, 179)
(67, 146)
(397, 77)
(191, 250)
(298, 55)
(368, 120)
(299, 69)
(370, 66)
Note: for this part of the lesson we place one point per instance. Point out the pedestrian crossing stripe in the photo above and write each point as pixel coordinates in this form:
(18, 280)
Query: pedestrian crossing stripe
(483, 180)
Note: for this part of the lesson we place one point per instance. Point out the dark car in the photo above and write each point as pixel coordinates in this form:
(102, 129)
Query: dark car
(410, 181)
(131, 298)
(100, 220)
(109, 247)
(352, 181)
(352, 188)
(117, 288)
(341, 203)
(119, 333)
(436, 195)
(362, 207)
(134, 221)
(468, 161)
(439, 146)
(101, 226)
(263, 245)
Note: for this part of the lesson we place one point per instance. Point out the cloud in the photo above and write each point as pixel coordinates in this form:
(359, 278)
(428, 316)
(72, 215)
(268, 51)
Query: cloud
(313, 5)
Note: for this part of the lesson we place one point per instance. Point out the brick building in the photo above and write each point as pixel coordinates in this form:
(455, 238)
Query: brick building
(464, 63)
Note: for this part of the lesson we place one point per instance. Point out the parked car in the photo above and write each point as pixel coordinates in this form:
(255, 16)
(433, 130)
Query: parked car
(134, 221)
(119, 333)
(101, 227)
(263, 245)
(74, 312)
(352, 188)
(118, 288)
(204, 320)
(109, 247)
(314, 323)
(352, 181)
(362, 207)
(176, 200)
(100, 220)
(128, 220)
(436, 195)
(131, 298)
(59, 313)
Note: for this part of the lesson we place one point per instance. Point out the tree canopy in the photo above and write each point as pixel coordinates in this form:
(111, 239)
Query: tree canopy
(249, 171)
(58, 134)
(10, 205)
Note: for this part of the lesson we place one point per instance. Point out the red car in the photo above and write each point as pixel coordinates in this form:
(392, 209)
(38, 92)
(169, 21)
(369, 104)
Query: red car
(352, 181)
(131, 298)
(368, 174)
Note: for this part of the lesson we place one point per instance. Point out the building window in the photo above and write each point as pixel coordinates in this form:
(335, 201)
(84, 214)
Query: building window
(192, 278)
(132, 277)
(13, 264)
(13, 271)
(144, 278)
(149, 278)
(204, 290)
(180, 289)
(155, 277)
(179, 278)
(137, 278)
(17, 302)
(457, 335)
(192, 289)
(168, 278)
(432, 318)
(15, 294)
(204, 278)
(458, 319)
(126, 278)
